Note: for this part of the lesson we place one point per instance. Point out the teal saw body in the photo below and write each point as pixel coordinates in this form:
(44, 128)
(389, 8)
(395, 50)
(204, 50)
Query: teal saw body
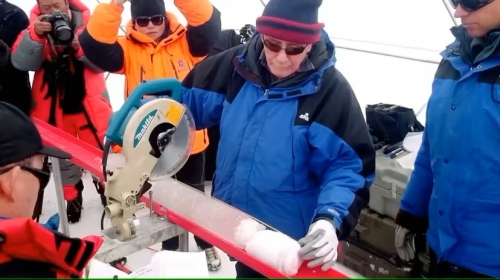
(156, 139)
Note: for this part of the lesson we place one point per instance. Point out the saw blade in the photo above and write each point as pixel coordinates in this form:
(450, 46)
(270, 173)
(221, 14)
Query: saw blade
(178, 144)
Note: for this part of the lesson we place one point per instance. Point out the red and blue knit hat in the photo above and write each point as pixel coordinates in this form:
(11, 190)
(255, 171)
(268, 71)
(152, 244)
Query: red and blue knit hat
(294, 21)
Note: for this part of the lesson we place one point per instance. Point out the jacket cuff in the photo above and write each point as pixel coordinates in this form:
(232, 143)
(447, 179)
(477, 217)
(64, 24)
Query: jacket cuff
(412, 222)
(329, 218)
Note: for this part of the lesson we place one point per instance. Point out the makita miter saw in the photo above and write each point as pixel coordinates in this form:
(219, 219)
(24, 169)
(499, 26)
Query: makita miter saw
(156, 140)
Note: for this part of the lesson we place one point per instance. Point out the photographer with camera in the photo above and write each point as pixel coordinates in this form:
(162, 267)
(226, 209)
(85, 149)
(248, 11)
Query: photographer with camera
(15, 86)
(69, 92)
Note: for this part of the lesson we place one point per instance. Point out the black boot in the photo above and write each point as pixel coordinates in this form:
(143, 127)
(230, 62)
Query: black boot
(74, 207)
(99, 186)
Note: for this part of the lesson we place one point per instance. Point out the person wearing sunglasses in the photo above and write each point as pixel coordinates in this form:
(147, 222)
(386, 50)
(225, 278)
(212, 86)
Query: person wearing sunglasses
(453, 196)
(157, 46)
(29, 249)
(294, 148)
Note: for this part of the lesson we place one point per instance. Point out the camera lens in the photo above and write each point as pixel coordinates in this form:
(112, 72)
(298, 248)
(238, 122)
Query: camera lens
(64, 35)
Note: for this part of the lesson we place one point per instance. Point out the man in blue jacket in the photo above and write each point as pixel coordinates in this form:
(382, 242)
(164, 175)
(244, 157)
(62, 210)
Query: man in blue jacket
(294, 150)
(454, 193)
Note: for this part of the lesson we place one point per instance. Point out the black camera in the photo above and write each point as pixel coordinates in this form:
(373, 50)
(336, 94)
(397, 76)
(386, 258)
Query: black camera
(61, 33)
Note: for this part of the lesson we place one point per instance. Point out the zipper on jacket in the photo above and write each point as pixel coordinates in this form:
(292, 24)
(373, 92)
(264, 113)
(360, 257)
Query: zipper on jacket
(265, 91)
(173, 68)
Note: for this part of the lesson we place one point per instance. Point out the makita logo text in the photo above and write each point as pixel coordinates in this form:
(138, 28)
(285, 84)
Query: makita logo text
(145, 125)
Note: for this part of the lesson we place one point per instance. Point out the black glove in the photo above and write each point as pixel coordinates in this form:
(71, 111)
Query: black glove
(246, 32)
(4, 53)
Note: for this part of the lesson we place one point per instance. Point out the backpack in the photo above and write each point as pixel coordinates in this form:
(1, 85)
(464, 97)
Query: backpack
(389, 123)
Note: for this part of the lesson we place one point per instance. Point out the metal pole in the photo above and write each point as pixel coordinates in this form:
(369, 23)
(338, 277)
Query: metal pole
(184, 241)
(383, 44)
(60, 195)
(387, 54)
(450, 12)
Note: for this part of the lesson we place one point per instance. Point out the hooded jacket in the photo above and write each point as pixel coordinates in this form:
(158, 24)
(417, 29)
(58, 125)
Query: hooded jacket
(453, 193)
(140, 58)
(15, 85)
(291, 151)
(31, 52)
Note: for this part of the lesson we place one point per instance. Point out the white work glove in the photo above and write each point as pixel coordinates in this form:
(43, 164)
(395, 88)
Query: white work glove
(320, 245)
(405, 243)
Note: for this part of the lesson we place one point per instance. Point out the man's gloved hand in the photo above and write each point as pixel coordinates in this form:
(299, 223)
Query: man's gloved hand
(320, 245)
(4, 53)
(246, 32)
(405, 243)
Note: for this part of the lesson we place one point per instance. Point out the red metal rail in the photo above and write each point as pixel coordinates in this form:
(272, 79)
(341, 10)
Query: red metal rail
(89, 158)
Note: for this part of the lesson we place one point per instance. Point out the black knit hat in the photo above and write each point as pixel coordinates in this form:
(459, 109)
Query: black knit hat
(294, 21)
(146, 8)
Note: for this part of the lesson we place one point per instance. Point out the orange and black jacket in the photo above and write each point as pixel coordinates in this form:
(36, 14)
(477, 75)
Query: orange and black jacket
(28, 250)
(140, 58)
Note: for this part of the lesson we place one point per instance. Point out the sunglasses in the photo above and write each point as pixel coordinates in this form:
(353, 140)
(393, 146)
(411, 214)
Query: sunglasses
(43, 175)
(155, 20)
(289, 49)
(470, 5)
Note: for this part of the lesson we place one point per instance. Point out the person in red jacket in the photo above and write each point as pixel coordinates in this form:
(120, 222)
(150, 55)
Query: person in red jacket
(69, 92)
(28, 249)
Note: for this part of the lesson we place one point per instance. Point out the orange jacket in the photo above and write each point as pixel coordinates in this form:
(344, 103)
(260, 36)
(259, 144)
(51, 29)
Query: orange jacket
(30, 52)
(28, 250)
(138, 56)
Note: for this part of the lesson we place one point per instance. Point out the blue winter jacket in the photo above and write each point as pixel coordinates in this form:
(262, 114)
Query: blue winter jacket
(291, 151)
(456, 178)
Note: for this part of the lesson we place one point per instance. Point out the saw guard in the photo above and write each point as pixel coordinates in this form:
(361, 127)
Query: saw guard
(158, 136)
(89, 158)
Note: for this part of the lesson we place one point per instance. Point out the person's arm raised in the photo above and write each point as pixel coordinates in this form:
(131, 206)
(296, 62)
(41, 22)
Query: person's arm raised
(204, 25)
(99, 40)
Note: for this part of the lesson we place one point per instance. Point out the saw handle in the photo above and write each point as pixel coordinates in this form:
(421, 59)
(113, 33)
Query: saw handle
(158, 87)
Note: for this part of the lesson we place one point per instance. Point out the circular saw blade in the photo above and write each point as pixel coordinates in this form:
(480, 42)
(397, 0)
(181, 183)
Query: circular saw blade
(177, 151)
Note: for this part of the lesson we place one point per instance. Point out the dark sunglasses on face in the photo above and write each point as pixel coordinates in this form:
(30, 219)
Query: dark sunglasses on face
(43, 175)
(144, 21)
(470, 5)
(289, 49)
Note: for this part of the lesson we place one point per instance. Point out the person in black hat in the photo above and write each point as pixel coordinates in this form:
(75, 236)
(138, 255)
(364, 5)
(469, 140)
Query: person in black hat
(294, 149)
(22, 156)
(29, 250)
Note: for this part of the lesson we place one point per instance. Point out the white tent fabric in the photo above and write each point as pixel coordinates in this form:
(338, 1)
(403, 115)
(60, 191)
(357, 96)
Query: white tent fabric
(414, 28)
